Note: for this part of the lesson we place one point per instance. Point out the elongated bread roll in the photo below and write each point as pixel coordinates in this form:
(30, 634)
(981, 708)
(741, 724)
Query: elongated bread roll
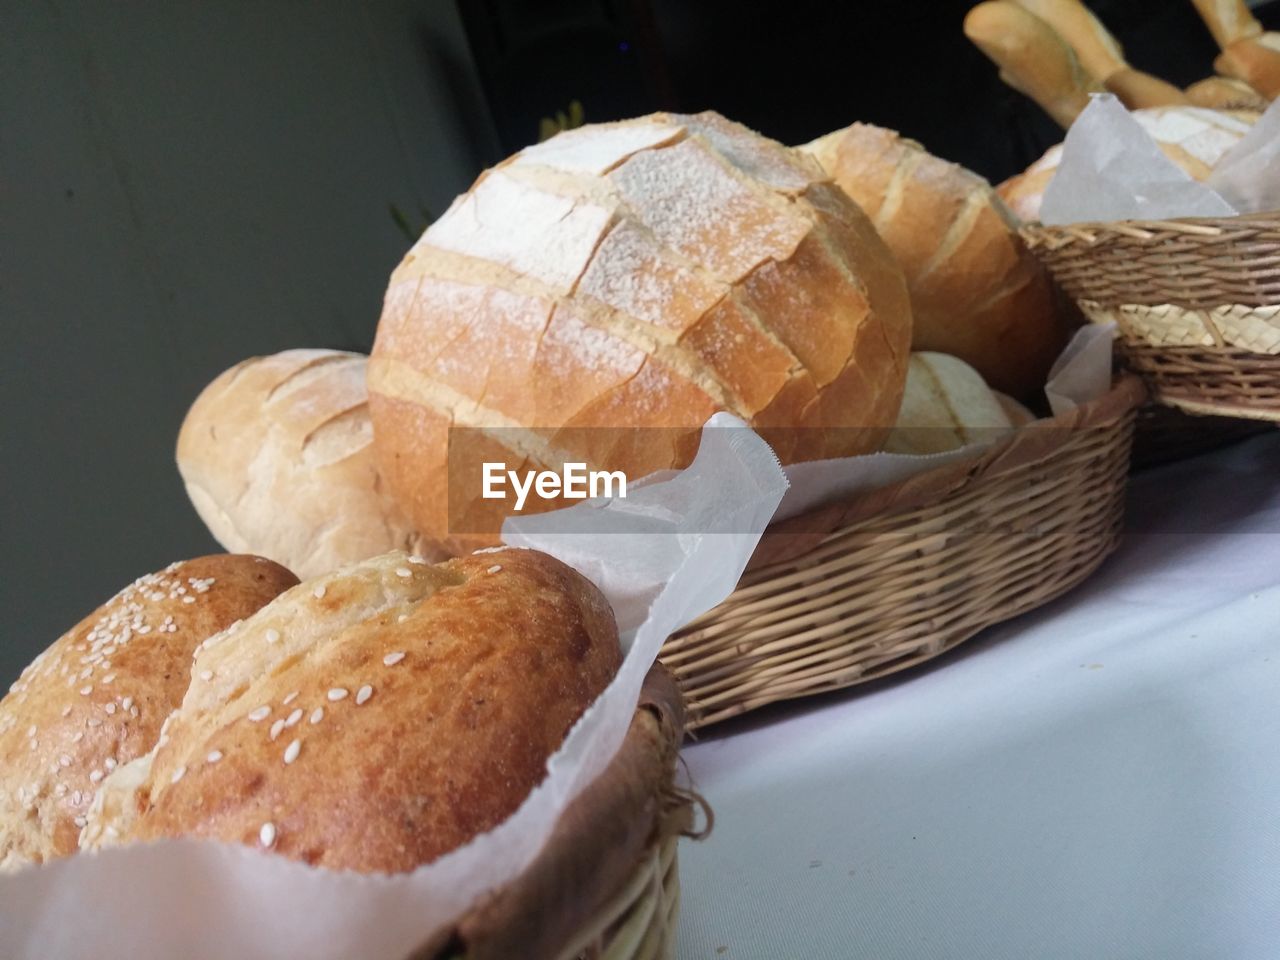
(976, 291)
(1101, 56)
(277, 457)
(1032, 57)
(375, 718)
(1255, 61)
(595, 298)
(1226, 93)
(946, 405)
(96, 698)
(1192, 137)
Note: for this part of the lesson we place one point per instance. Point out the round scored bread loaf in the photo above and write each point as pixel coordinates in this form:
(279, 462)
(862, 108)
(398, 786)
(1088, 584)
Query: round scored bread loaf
(633, 275)
(976, 291)
(377, 717)
(1195, 138)
(946, 405)
(96, 698)
(276, 454)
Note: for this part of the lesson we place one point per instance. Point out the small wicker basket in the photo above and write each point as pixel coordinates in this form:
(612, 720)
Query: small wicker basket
(1197, 303)
(606, 885)
(863, 588)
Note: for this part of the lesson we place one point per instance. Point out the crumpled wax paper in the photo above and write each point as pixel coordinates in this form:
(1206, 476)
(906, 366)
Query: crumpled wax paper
(200, 900)
(1112, 169)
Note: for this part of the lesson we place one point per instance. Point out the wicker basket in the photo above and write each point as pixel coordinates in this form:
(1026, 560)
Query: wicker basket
(1197, 303)
(860, 589)
(606, 885)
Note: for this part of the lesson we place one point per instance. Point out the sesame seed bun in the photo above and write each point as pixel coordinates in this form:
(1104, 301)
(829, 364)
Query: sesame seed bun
(377, 717)
(97, 697)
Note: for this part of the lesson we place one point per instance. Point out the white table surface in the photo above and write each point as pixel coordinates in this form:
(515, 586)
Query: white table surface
(1097, 779)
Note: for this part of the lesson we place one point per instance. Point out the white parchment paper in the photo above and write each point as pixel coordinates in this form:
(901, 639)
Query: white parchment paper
(196, 899)
(1112, 169)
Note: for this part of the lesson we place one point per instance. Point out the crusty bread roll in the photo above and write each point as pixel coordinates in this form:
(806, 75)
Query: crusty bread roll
(1192, 137)
(97, 696)
(377, 717)
(946, 405)
(976, 291)
(1225, 93)
(642, 274)
(1101, 55)
(277, 457)
(1032, 57)
(1256, 61)
(1228, 20)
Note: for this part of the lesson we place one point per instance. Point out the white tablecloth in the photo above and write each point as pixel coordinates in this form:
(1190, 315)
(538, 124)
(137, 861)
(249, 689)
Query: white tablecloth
(1098, 779)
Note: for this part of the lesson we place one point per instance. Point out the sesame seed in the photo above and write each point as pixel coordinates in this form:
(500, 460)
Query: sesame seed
(259, 714)
(292, 750)
(317, 714)
(294, 717)
(93, 722)
(109, 763)
(206, 675)
(127, 702)
(318, 592)
(495, 568)
(80, 822)
(95, 776)
(363, 694)
(391, 659)
(337, 693)
(77, 798)
(289, 699)
(267, 835)
(403, 572)
(64, 760)
(402, 618)
(31, 730)
(66, 711)
(77, 736)
(85, 691)
(272, 635)
(108, 678)
(188, 599)
(60, 790)
(213, 757)
(276, 728)
(416, 559)
(177, 774)
(110, 708)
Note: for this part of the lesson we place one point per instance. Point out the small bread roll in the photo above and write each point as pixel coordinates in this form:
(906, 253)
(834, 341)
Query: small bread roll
(375, 718)
(947, 405)
(977, 292)
(277, 457)
(97, 697)
(1192, 137)
(1224, 93)
(1255, 61)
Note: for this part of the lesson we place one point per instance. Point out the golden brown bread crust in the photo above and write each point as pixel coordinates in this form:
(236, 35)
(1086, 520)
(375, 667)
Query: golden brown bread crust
(976, 291)
(97, 697)
(638, 274)
(277, 457)
(1225, 93)
(377, 717)
(1256, 61)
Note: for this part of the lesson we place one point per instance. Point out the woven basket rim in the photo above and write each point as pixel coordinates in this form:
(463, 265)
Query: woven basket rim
(596, 846)
(1093, 231)
(795, 536)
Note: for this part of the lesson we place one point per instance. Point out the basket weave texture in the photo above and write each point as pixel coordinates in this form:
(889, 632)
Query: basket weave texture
(606, 885)
(1197, 303)
(888, 580)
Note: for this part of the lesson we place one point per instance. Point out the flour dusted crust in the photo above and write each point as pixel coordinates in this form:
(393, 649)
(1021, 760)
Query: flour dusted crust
(638, 274)
(277, 457)
(96, 698)
(377, 717)
(1195, 138)
(976, 291)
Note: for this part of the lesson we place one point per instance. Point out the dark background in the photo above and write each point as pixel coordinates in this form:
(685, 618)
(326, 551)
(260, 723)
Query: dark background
(186, 186)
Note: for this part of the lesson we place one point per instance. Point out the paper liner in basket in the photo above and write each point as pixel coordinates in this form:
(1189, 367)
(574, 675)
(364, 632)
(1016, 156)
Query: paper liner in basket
(198, 899)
